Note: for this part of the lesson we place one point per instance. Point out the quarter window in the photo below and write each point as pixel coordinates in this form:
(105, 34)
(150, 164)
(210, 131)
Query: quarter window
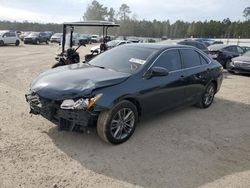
(170, 60)
(190, 58)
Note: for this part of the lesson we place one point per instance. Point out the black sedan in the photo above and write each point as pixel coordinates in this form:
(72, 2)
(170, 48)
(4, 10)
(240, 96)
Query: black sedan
(196, 44)
(240, 64)
(36, 38)
(224, 53)
(120, 85)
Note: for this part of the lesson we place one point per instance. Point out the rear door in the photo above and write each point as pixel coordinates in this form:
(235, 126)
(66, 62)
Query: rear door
(13, 37)
(43, 37)
(195, 73)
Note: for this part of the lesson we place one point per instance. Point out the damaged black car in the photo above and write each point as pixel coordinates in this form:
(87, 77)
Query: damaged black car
(116, 88)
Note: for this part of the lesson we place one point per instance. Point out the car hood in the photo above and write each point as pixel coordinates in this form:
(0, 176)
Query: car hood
(242, 58)
(74, 81)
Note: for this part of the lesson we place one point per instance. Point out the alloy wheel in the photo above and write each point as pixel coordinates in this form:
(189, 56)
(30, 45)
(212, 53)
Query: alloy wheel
(122, 123)
(209, 95)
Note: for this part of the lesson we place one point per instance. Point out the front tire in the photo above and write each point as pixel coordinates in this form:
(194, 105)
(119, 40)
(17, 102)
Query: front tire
(117, 125)
(1, 43)
(17, 43)
(37, 42)
(207, 97)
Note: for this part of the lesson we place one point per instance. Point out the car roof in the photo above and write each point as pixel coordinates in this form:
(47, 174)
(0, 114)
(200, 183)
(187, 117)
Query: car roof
(219, 46)
(191, 41)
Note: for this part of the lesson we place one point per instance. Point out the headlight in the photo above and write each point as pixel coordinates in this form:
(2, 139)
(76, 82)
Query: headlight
(80, 104)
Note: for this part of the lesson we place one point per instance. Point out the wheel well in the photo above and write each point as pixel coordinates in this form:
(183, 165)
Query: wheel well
(215, 84)
(136, 103)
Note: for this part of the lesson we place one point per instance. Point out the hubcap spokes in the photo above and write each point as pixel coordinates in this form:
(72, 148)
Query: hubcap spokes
(209, 95)
(122, 123)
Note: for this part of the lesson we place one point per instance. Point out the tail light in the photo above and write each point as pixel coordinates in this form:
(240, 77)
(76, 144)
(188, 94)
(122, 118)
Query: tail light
(221, 69)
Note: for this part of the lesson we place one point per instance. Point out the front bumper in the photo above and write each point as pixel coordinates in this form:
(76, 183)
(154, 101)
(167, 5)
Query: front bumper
(238, 68)
(66, 119)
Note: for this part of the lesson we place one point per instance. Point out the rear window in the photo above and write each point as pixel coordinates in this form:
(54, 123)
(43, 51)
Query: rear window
(190, 58)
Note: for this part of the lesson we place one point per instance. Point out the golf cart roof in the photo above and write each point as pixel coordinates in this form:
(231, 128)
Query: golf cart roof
(92, 23)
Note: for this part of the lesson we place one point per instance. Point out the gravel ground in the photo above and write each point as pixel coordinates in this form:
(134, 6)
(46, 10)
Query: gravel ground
(188, 147)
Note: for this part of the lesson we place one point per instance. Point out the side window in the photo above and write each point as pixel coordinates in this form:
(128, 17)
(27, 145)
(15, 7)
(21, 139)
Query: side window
(7, 34)
(240, 50)
(12, 34)
(190, 58)
(203, 60)
(201, 46)
(235, 50)
(229, 49)
(170, 60)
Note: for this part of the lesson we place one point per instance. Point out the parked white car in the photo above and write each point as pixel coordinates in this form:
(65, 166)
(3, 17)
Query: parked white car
(110, 44)
(9, 37)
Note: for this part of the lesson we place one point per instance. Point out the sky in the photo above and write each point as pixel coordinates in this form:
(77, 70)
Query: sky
(59, 11)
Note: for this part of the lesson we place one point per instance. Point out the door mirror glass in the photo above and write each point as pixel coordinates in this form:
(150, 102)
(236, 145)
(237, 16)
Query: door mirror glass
(156, 72)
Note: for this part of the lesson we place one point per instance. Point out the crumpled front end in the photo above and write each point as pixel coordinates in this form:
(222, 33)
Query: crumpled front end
(66, 119)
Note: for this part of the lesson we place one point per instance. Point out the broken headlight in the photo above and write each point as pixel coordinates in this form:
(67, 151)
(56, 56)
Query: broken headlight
(80, 104)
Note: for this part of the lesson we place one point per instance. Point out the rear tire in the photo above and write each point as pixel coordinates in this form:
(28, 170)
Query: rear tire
(207, 97)
(17, 43)
(117, 125)
(1, 43)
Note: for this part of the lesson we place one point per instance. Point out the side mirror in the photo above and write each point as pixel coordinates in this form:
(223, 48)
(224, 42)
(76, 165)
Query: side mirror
(156, 72)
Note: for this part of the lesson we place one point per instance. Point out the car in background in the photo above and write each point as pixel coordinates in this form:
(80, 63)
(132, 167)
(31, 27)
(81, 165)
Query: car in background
(36, 38)
(49, 34)
(9, 37)
(56, 38)
(109, 45)
(240, 64)
(24, 34)
(84, 39)
(116, 88)
(95, 38)
(245, 48)
(224, 53)
(208, 42)
(196, 44)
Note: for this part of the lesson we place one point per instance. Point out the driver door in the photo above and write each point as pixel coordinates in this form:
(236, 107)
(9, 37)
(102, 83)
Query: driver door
(165, 92)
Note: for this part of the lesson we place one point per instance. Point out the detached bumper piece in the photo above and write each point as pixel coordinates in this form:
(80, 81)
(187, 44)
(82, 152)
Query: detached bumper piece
(68, 120)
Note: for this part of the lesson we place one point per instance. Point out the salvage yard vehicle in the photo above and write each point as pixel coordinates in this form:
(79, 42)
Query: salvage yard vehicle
(110, 44)
(116, 88)
(196, 44)
(56, 38)
(36, 38)
(9, 37)
(240, 64)
(24, 34)
(223, 53)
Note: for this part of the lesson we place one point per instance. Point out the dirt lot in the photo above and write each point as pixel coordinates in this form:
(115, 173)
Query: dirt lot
(189, 147)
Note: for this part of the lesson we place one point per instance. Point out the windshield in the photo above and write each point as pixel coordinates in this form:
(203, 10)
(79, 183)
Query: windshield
(112, 43)
(127, 59)
(2, 32)
(33, 34)
(247, 54)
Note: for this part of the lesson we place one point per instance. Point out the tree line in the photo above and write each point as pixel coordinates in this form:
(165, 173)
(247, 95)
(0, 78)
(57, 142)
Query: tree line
(131, 26)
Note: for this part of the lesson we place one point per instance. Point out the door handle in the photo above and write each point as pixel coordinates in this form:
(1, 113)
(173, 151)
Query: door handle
(182, 77)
